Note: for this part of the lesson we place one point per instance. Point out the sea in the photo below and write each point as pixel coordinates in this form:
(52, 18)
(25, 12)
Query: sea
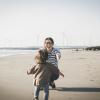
(10, 52)
(16, 51)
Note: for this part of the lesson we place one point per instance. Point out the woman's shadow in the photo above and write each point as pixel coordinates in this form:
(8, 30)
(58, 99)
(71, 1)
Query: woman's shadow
(78, 89)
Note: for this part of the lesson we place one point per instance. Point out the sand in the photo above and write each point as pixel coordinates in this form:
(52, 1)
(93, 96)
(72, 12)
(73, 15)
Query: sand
(81, 81)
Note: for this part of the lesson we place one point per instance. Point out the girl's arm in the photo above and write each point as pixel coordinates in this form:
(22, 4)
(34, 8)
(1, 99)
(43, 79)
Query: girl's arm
(32, 70)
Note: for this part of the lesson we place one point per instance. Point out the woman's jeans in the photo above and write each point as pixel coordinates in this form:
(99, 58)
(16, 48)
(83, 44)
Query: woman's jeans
(46, 91)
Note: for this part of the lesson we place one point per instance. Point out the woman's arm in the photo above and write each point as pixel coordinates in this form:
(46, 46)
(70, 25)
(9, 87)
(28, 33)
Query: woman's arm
(60, 73)
(58, 56)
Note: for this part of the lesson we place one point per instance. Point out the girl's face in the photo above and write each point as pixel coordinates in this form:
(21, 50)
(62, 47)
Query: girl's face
(48, 45)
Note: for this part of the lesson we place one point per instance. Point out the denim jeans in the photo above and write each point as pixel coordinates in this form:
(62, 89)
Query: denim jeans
(46, 91)
(54, 77)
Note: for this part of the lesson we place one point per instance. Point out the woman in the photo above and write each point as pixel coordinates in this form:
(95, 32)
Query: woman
(53, 56)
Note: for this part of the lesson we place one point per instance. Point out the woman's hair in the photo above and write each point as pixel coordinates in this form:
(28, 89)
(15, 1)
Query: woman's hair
(49, 38)
(41, 56)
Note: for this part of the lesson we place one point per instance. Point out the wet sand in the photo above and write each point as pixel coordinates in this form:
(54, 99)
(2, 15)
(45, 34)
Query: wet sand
(81, 81)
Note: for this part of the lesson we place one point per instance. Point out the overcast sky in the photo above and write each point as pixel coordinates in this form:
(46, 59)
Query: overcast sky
(69, 22)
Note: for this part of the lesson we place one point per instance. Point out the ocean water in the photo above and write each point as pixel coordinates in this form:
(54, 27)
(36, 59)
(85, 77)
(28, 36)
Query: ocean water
(6, 52)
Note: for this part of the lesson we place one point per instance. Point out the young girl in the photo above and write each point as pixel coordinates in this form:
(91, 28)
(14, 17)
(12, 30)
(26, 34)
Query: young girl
(42, 73)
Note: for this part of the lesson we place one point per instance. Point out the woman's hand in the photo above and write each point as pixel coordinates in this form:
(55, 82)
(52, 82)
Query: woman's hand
(61, 74)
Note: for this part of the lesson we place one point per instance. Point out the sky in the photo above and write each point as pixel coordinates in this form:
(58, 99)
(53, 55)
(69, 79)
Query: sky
(25, 23)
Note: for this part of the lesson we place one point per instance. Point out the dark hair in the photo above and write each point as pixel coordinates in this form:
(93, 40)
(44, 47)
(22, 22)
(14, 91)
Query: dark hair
(49, 38)
(43, 55)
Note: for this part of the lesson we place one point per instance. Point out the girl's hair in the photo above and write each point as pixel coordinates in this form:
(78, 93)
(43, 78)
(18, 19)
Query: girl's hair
(41, 56)
(49, 38)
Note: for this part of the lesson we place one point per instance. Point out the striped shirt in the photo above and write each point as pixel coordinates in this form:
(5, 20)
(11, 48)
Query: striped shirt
(52, 56)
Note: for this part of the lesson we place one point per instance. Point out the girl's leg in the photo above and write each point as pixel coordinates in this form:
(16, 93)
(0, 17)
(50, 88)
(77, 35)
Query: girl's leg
(36, 91)
(46, 92)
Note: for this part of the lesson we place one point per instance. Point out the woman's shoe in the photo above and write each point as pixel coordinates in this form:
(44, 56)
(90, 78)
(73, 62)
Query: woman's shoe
(52, 84)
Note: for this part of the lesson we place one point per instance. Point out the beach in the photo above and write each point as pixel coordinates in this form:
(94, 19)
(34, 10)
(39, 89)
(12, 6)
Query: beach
(81, 82)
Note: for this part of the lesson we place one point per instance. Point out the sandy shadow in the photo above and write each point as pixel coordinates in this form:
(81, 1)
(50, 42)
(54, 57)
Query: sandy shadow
(78, 89)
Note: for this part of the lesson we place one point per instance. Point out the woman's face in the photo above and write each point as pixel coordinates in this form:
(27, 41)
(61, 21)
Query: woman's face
(48, 45)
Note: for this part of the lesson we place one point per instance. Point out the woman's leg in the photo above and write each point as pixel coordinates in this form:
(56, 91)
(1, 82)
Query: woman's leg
(52, 83)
